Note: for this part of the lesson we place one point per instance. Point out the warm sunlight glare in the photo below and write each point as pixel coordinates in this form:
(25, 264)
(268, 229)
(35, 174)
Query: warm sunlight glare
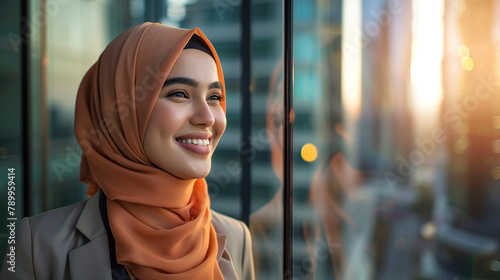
(426, 57)
(351, 61)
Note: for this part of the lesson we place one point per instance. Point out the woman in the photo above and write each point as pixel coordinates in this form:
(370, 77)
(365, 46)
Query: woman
(149, 114)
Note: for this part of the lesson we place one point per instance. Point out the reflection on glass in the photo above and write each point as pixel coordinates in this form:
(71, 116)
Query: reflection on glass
(405, 183)
(266, 221)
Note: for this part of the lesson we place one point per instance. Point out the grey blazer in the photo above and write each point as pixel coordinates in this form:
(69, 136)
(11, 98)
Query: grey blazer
(72, 243)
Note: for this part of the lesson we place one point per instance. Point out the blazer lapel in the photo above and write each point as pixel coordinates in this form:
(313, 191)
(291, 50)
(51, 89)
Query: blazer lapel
(224, 258)
(91, 260)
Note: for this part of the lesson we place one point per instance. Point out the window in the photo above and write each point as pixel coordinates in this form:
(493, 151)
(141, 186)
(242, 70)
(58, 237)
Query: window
(396, 126)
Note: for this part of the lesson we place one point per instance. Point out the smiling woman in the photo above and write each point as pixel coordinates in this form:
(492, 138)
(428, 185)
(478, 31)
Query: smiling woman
(149, 115)
(190, 101)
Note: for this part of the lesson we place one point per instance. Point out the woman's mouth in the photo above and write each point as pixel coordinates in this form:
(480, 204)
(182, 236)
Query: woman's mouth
(197, 142)
(196, 145)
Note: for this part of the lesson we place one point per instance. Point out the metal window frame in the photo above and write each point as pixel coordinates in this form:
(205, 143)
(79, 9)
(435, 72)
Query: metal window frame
(25, 109)
(287, 125)
(288, 139)
(246, 110)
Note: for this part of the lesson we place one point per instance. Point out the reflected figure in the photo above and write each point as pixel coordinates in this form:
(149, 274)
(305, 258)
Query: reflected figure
(334, 181)
(330, 229)
(266, 224)
(323, 218)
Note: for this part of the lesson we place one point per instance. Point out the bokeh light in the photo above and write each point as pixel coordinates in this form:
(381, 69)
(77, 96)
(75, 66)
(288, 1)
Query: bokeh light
(461, 145)
(463, 51)
(496, 122)
(495, 265)
(495, 173)
(496, 146)
(467, 63)
(309, 152)
(428, 230)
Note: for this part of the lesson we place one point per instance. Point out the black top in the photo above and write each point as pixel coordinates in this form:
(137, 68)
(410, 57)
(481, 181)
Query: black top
(118, 271)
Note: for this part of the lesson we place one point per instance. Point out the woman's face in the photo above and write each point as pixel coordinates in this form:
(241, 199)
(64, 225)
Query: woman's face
(187, 120)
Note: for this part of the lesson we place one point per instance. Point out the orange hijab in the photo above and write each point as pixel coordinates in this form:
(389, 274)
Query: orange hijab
(161, 224)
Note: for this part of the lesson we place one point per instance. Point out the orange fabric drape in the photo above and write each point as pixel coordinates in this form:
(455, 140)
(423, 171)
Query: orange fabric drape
(161, 224)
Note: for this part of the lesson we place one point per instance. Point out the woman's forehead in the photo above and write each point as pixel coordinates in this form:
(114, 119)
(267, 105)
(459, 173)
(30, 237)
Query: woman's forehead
(195, 64)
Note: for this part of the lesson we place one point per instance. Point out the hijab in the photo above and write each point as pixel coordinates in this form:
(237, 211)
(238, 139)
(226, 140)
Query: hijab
(161, 224)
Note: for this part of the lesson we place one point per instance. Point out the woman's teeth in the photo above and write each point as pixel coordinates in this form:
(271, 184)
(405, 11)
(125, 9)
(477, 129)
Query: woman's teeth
(199, 142)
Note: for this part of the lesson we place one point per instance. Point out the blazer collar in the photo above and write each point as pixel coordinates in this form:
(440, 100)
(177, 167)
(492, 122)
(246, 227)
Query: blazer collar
(87, 222)
(91, 261)
(224, 258)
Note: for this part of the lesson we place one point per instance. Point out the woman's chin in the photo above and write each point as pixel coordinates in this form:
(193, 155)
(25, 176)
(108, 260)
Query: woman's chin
(191, 175)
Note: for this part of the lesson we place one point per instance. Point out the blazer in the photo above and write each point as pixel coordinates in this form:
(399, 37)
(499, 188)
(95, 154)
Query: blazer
(72, 243)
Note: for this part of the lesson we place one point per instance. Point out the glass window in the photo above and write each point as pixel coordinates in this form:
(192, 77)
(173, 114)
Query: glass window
(11, 114)
(266, 219)
(395, 140)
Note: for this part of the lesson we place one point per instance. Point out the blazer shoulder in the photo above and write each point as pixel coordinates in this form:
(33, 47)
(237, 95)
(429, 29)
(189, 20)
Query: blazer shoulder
(226, 225)
(53, 219)
(43, 242)
(53, 233)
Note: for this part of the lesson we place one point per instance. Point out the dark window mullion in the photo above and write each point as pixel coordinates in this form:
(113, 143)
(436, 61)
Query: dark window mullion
(288, 139)
(44, 116)
(246, 112)
(26, 109)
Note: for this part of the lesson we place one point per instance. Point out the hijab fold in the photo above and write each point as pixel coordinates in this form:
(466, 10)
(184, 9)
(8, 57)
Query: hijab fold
(161, 224)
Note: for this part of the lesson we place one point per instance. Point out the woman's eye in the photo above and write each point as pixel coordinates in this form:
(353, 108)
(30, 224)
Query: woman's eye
(215, 97)
(177, 94)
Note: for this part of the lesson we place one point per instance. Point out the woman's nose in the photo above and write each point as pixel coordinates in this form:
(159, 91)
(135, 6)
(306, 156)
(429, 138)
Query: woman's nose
(202, 114)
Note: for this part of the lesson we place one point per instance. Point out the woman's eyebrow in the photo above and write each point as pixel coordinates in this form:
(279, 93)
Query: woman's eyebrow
(181, 80)
(215, 85)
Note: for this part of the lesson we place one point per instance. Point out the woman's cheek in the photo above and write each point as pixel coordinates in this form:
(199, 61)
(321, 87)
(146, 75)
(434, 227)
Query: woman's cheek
(221, 123)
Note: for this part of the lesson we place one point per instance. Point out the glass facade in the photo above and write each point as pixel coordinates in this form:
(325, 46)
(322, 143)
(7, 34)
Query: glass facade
(11, 113)
(395, 150)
